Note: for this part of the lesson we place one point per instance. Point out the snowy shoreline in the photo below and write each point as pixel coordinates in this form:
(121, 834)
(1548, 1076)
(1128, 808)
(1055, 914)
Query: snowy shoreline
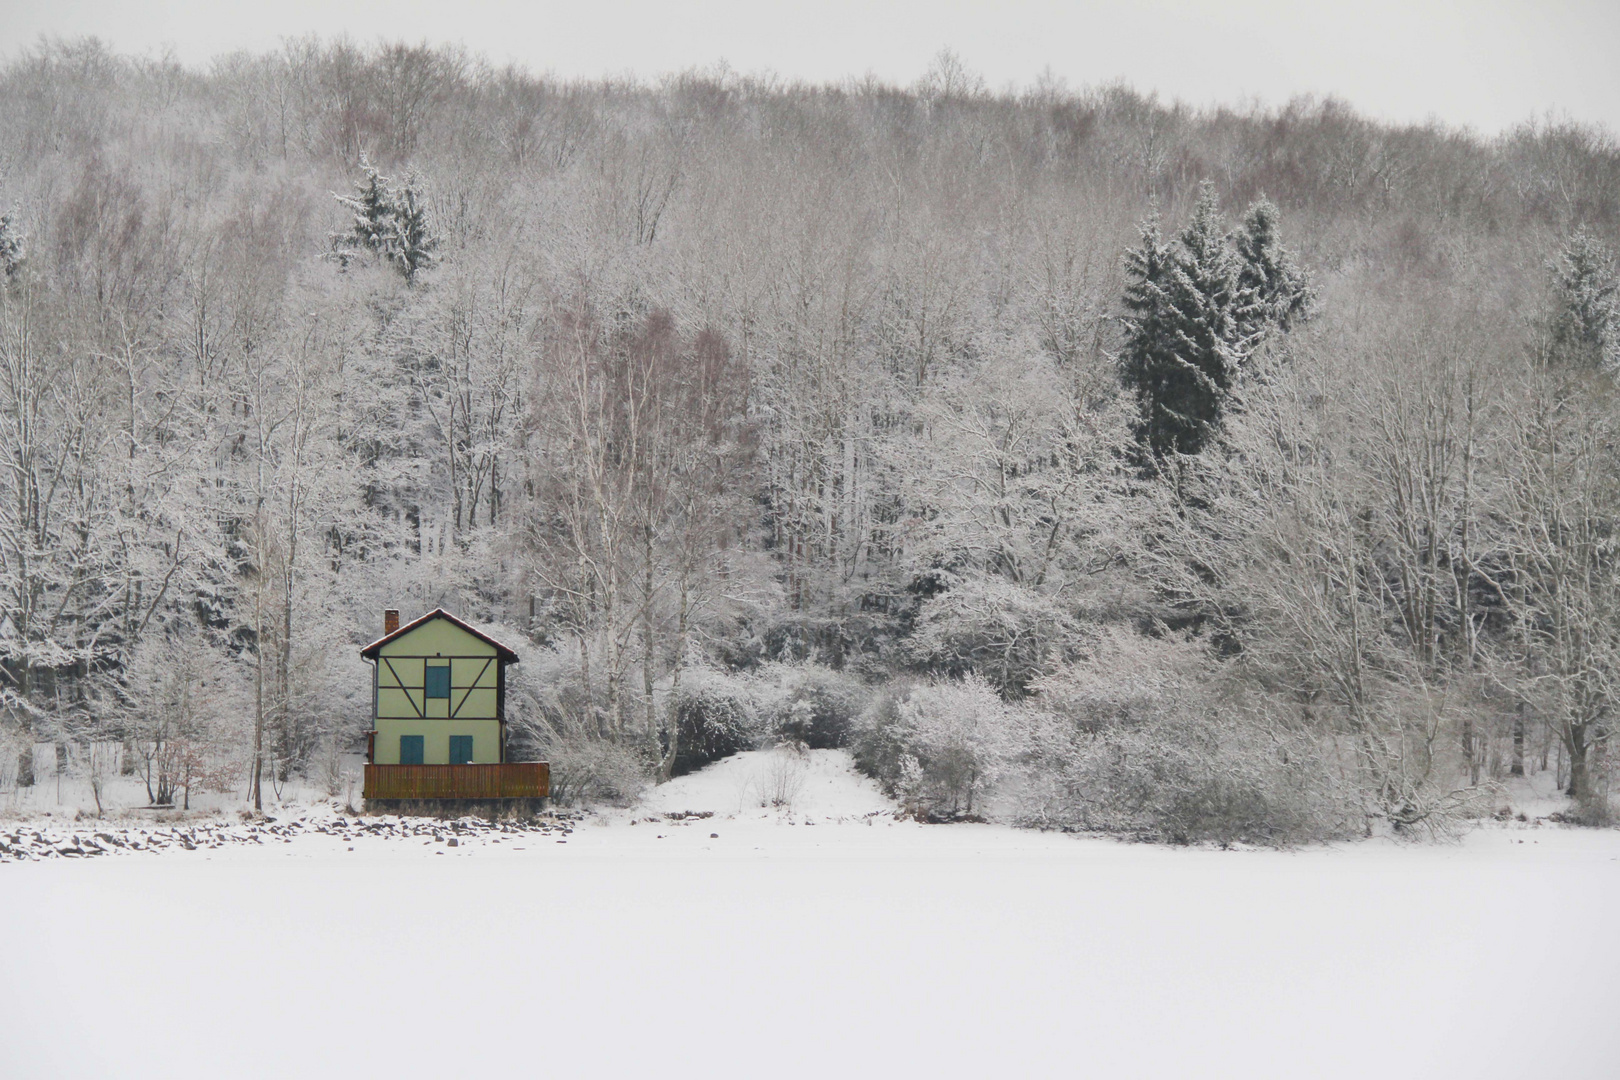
(749, 788)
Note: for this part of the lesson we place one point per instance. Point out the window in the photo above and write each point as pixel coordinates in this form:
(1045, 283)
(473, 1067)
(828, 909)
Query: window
(438, 682)
(410, 749)
(461, 749)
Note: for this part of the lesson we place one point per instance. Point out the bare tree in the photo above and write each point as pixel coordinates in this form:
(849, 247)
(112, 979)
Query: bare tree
(1565, 587)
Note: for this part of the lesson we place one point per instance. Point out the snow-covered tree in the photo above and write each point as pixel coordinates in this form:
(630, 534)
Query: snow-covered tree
(185, 704)
(411, 242)
(11, 246)
(1585, 329)
(1562, 498)
(371, 209)
(1283, 296)
(1014, 477)
(1148, 364)
(1195, 310)
(392, 225)
(1190, 324)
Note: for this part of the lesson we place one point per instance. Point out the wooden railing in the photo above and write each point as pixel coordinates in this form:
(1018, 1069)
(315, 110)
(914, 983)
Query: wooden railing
(522, 780)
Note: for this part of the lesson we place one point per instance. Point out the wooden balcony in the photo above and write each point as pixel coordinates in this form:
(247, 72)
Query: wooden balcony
(523, 780)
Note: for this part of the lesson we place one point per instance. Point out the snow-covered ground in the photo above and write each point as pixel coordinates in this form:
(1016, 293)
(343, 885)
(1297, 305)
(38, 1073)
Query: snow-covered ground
(816, 936)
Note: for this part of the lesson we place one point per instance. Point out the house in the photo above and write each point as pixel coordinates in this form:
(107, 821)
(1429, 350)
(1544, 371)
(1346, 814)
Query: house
(438, 694)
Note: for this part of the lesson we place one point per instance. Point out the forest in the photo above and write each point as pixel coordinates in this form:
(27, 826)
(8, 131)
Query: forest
(1076, 459)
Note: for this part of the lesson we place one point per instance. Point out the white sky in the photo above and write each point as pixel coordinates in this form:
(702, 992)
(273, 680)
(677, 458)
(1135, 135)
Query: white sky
(1483, 63)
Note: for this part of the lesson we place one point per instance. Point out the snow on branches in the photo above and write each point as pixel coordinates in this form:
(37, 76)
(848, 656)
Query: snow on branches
(389, 223)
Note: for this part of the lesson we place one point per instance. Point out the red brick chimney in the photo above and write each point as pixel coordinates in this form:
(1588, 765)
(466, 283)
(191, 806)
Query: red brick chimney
(390, 621)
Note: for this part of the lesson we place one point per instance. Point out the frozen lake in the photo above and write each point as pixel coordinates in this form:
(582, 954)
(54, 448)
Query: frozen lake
(829, 937)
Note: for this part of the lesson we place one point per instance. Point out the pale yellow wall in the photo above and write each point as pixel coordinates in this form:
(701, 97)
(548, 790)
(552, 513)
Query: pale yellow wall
(473, 684)
(436, 740)
(437, 637)
(474, 695)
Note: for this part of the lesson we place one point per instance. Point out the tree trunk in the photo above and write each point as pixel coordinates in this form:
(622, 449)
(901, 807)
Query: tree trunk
(255, 784)
(648, 720)
(1579, 784)
(1517, 768)
(667, 766)
(1468, 749)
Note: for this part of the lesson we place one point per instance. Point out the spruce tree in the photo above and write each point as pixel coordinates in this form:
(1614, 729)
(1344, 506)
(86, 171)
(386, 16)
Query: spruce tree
(411, 243)
(1585, 329)
(1283, 296)
(1190, 327)
(372, 207)
(1195, 311)
(393, 226)
(1147, 362)
(11, 247)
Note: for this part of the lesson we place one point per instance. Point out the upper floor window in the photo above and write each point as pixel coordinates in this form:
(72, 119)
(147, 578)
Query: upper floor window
(438, 681)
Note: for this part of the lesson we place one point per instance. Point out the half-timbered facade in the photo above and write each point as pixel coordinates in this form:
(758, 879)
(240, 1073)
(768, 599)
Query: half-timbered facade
(438, 694)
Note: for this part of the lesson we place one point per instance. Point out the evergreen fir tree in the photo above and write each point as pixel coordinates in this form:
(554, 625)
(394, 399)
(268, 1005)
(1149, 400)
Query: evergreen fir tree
(393, 226)
(1147, 362)
(1281, 291)
(1190, 327)
(1586, 316)
(411, 243)
(372, 207)
(11, 247)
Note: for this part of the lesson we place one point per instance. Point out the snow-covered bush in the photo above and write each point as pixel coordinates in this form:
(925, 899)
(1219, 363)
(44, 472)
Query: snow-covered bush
(1140, 740)
(999, 630)
(551, 719)
(557, 724)
(1186, 775)
(585, 769)
(939, 748)
(187, 707)
(809, 704)
(717, 717)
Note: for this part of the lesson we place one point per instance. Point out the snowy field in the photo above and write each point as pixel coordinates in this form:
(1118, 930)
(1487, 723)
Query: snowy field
(821, 937)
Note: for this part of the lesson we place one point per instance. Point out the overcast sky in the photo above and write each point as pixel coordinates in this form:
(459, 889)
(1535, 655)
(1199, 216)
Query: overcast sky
(1484, 63)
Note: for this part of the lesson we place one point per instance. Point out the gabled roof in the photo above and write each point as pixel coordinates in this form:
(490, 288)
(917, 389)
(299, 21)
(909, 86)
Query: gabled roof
(505, 655)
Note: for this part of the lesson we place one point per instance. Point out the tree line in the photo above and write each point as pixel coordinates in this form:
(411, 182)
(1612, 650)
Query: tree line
(1074, 457)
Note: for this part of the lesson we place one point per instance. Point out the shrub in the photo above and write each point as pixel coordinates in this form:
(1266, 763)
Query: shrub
(585, 769)
(939, 748)
(1140, 740)
(1184, 777)
(717, 717)
(1003, 632)
(1594, 810)
(551, 719)
(809, 705)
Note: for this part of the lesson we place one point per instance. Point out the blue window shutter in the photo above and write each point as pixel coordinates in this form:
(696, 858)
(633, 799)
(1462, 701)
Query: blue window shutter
(410, 749)
(461, 749)
(438, 682)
